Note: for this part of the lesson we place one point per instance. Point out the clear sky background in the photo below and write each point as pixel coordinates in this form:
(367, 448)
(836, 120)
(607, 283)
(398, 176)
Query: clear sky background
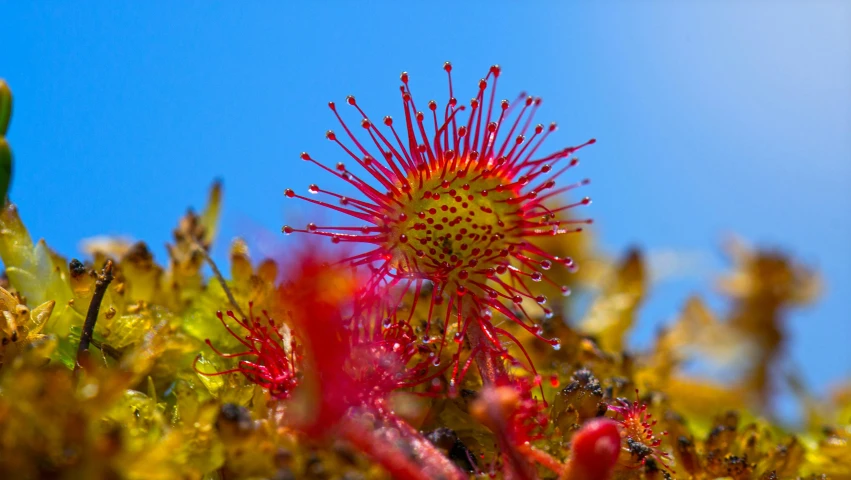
(711, 118)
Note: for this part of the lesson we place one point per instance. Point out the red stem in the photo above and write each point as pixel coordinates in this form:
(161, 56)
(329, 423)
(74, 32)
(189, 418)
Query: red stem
(432, 463)
(394, 461)
(490, 366)
(430, 455)
(515, 467)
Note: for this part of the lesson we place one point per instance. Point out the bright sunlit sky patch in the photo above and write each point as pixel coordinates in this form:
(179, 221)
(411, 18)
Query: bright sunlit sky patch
(711, 118)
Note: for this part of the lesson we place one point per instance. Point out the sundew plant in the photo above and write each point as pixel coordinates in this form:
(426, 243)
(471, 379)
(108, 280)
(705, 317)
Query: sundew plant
(430, 330)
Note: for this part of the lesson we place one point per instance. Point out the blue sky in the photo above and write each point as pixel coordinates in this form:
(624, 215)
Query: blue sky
(711, 118)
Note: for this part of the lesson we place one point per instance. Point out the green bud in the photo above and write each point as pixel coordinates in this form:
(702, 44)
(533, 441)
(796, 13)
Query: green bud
(5, 107)
(5, 168)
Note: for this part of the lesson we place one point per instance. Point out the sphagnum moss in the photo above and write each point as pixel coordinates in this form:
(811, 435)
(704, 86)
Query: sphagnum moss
(428, 355)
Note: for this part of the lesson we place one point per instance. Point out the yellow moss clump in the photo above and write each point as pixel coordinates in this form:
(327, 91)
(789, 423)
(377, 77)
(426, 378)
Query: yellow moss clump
(147, 401)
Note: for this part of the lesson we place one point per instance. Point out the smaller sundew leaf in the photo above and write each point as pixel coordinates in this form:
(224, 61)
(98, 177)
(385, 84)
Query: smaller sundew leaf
(266, 356)
(636, 425)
